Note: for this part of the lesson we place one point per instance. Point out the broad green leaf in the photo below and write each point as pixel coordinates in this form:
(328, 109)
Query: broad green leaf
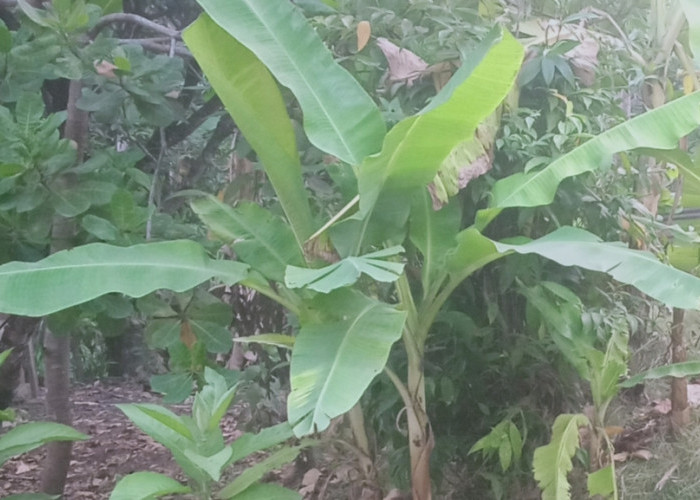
(146, 486)
(602, 482)
(267, 491)
(109, 6)
(259, 238)
(254, 473)
(5, 38)
(69, 202)
(678, 370)
(99, 227)
(275, 339)
(175, 387)
(571, 246)
(28, 436)
(248, 443)
(212, 465)
(660, 128)
(251, 95)
(416, 147)
(216, 337)
(552, 462)
(346, 272)
(159, 423)
(333, 363)
(279, 35)
(75, 276)
(161, 333)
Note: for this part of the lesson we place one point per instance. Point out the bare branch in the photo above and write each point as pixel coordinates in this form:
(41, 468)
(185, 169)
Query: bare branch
(160, 45)
(133, 19)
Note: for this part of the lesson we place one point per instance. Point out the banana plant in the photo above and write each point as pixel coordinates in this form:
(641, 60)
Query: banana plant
(346, 282)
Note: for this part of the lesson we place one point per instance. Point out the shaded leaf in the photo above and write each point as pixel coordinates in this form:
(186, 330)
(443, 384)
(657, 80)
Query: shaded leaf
(251, 95)
(28, 436)
(258, 237)
(145, 486)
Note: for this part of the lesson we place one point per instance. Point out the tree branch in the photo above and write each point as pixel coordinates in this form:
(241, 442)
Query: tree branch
(157, 45)
(133, 19)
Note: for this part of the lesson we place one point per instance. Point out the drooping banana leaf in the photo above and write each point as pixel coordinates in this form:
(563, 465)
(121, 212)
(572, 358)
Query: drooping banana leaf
(333, 362)
(416, 147)
(570, 246)
(251, 95)
(75, 276)
(339, 116)
(660, 128)
(257, 236)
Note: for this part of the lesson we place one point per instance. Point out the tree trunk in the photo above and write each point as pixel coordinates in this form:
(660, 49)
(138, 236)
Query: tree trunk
(57, 369)
(680, 411)
(57, 348)
(420, 434)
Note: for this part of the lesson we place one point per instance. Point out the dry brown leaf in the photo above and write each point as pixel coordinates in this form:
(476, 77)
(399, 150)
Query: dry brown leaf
(23, 467)
(188, 338)
(621, 457)
(310, 482)
(664, 479)
(394, 495)
(662, 406)
(105, 68)
(364, 31)
(613, 430)
(694, 395)
(642, 455)
(404, 65)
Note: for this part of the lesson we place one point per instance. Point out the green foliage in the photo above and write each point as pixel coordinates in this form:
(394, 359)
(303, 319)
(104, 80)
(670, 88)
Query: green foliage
(135, 271)
(659, 129)
(552, 462)
(504, 440)
(282, 39)
(197, 445)
(26, 437)
(334, 361)
(346, 272)
(145, 486)
(678, 370)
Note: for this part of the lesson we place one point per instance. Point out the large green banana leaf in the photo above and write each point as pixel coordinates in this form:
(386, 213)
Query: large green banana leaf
(660, 128)
(251, 95)
(339, 116)
(258, 237)
(334, 362)
(75, 276)
(415, 148)
(570, 246)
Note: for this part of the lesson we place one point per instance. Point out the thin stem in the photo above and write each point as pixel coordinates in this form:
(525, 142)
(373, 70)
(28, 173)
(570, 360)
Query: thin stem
(400, 387)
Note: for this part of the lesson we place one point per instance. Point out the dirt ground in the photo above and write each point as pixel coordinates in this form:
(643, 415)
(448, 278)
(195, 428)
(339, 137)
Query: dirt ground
(116, 448)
